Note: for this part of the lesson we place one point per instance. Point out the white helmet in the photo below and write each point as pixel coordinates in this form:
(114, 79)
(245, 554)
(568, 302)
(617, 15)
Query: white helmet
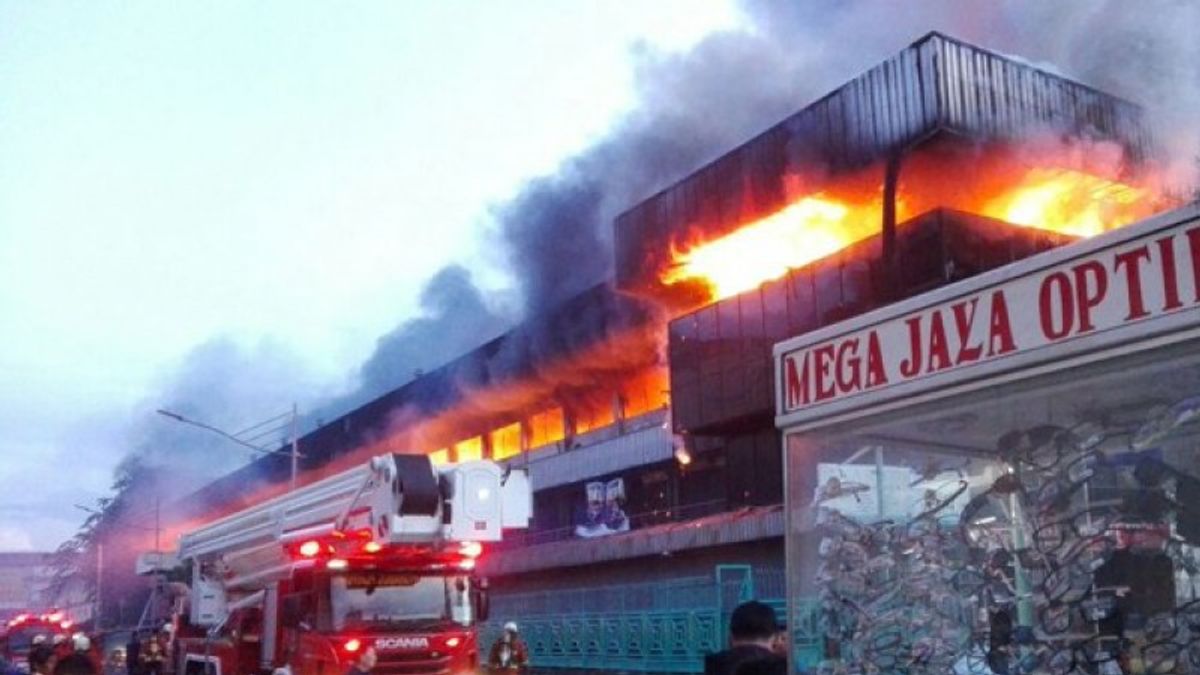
(80, 642)
(40, 639)
(58, 639)
(510, 627)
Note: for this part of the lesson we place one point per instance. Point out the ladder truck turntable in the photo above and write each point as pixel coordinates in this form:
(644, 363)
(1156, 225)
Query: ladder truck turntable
(379, 556)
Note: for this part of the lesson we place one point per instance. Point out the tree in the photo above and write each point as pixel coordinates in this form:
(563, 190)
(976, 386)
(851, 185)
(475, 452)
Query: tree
(119, 524)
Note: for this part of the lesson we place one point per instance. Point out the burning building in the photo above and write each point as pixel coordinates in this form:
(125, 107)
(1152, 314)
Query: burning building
(644, 408)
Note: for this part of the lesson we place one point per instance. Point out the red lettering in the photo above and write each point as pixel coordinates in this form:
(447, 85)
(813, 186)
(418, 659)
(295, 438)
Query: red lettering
(822, 361)
(876, 373)
(1000, 337)
(939, 352)
(847, 366)
(1166, 250)
(1193, 236)
(1066, 306)
(963, 321)
(911, 367)
(1088, 295)
(797, 382)
(1131, 261)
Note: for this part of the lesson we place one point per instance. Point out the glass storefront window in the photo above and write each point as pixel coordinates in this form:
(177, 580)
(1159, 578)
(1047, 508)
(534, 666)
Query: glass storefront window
(1044, 527)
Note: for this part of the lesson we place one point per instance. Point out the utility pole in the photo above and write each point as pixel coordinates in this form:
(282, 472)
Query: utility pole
(295, 443)
(99, 583)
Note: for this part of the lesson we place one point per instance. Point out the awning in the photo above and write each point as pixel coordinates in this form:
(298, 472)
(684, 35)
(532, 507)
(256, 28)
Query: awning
(731, 527)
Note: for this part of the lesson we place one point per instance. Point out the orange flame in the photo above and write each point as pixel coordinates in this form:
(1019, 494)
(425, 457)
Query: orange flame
(1068, 194)
(807, 230)
(1068, 202)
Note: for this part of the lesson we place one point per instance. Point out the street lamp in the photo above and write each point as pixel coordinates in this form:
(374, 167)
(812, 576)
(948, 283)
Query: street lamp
(294, 445)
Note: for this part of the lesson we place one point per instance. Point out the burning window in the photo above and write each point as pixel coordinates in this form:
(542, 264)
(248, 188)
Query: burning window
(546, 427)
(1073, 188)
(645, 392)
(469, 450)
(506, 441)
(439, 457)
(593, 414)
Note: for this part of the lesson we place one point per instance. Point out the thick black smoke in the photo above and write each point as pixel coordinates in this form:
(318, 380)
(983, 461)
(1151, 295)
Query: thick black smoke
(691, 107)
(694, 106)
(227, 386)
(454, 318)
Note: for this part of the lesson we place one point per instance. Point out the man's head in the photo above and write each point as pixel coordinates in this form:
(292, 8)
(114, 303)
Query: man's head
(510, 628)
(753, 623)
(81, 642)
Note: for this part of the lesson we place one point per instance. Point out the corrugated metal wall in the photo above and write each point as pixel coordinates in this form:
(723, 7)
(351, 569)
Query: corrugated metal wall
(935, 85)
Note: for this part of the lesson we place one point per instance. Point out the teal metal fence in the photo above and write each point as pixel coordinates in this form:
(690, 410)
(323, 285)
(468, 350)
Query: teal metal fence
(662, 627)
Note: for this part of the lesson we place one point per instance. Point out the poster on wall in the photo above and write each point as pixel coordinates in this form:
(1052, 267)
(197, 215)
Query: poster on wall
(603, 513)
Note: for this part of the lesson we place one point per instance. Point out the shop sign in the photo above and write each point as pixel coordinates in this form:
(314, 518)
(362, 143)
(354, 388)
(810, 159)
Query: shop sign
(1100, 292)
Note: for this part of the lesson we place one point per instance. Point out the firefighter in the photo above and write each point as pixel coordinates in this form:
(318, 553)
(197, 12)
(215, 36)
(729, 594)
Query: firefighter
(151, 656)
(509, 651)
(79, 661)
(365, 663)
(60, 648)
(133, 654)
(41, 655)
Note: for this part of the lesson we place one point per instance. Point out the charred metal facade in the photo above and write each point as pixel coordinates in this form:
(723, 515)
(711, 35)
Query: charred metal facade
(936, 87)
(720, 356)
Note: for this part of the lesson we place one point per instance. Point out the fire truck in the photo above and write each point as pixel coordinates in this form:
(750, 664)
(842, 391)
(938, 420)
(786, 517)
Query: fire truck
(19, 632)
(379, 556)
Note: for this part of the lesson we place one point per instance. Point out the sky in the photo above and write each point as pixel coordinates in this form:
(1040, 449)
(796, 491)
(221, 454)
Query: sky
(275, 178)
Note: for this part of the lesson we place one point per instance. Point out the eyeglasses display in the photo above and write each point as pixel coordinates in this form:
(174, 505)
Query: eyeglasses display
(1065, 547)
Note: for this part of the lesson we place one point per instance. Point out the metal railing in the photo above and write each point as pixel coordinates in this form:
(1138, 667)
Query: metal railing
(636, 521)
(665, 626)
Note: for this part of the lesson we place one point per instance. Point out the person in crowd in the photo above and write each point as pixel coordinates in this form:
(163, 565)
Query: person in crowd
(151, 656)
(60, 647)
(365, 663)
(79, 661)
(40, 655)
(133, 654)
(509, 651)
(753, 644)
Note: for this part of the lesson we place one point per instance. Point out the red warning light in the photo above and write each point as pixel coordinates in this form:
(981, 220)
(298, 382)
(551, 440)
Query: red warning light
(453, 642)
(471, 549)
(310, 549)
(352, 645)
(372, 547)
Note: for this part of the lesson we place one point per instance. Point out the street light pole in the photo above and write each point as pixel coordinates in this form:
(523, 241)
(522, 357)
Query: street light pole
(294, 433)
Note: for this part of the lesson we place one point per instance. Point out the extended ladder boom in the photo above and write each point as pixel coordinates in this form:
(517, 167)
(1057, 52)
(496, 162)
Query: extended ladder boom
(398, 499)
